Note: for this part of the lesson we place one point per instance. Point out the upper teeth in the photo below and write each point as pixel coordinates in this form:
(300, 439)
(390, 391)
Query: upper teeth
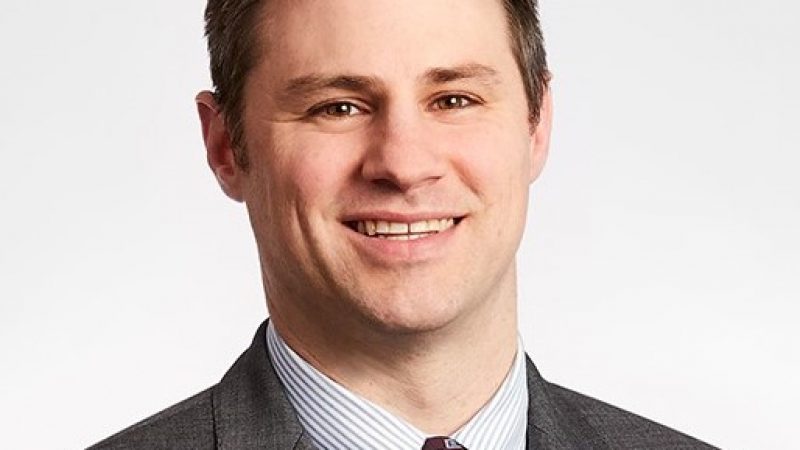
(373, 227)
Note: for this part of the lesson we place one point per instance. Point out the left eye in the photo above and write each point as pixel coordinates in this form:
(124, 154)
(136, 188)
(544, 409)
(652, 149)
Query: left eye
(453, 102)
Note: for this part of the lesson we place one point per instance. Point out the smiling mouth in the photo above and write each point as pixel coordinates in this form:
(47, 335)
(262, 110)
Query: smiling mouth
(401, 231)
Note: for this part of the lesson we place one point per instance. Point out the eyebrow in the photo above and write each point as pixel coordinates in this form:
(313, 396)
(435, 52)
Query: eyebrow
(306, 86)
(482, 73)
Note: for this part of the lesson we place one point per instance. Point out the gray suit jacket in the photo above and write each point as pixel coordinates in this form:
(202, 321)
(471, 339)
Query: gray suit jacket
(248, 409)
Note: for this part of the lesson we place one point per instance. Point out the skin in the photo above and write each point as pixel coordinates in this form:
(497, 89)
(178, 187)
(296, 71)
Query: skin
(400, 111)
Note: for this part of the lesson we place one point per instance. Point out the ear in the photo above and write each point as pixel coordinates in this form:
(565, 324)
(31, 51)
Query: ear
(219, 148)
(540, 137)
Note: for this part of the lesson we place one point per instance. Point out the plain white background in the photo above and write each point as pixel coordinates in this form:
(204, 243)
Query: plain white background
(659, 272)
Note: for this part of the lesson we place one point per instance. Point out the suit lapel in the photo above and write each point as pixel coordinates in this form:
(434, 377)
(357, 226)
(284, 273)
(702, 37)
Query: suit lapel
(251, 410)
(553, 424)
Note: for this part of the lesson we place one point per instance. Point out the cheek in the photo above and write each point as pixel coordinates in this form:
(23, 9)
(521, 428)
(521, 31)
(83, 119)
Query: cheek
(312, 168)
(296, 179)
(494, 162)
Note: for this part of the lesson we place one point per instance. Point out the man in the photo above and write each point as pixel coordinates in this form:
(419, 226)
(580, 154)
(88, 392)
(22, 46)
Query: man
(384, 150)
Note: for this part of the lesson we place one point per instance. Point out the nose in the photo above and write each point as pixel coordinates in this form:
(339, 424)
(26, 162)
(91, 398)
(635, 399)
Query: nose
(402, 154)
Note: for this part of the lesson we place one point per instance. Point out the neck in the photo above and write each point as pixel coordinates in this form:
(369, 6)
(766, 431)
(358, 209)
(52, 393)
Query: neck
(436, 380)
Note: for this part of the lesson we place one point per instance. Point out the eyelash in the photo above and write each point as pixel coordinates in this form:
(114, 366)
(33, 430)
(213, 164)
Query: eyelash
(328, 109)
(465, 101)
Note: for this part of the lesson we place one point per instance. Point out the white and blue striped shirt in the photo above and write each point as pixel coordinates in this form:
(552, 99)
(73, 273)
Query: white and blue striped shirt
(337, 419)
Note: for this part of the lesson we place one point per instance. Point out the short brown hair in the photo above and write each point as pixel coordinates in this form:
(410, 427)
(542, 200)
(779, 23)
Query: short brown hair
(232, 28)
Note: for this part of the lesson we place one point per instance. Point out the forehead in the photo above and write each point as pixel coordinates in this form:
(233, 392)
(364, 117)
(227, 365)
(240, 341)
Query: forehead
(383, 38)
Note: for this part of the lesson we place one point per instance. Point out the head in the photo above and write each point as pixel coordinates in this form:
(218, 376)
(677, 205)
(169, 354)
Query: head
(384, 151)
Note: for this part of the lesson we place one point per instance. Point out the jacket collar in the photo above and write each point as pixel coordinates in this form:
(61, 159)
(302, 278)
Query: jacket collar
(250, 408)
(554, 423)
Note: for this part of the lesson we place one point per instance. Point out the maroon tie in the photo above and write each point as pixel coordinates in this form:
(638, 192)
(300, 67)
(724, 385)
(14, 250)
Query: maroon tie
(441, 443)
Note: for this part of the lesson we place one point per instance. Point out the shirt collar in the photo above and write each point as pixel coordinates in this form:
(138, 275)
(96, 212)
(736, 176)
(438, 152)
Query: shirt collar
(336, 418)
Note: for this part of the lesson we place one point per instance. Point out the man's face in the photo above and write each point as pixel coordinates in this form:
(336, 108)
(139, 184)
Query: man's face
(390, 158)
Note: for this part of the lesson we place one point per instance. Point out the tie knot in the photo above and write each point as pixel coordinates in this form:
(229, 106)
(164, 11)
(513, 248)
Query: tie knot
(441, 443)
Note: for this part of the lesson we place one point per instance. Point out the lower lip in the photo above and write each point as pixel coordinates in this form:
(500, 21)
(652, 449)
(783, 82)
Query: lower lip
(413, 250)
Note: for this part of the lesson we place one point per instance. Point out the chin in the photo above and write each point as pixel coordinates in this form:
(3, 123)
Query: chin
(409, 315)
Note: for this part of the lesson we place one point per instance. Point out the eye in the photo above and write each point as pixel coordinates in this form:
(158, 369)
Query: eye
(453, 101)
(337, 110)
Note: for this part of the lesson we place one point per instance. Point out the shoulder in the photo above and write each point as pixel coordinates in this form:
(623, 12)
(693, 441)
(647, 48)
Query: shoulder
(185, 425)
(620, 428)
(246, 409)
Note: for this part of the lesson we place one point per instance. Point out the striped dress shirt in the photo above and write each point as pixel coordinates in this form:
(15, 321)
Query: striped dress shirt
(337, 419)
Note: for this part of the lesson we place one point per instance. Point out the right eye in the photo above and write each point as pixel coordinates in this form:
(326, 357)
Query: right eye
(337, 110)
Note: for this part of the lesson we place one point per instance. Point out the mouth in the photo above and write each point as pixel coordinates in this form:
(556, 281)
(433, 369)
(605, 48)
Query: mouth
(402, 231)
